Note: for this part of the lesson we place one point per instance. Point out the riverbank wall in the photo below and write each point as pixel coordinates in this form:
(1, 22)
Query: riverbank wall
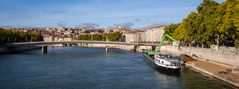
(219, 56)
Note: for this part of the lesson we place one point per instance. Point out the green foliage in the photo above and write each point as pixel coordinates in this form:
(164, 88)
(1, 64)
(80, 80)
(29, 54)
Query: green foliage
(9, 36)
(213, 23)
(84, 37)
(98, 37)
(115, 36)
(206, 4)
(35, 36)
(170, 29)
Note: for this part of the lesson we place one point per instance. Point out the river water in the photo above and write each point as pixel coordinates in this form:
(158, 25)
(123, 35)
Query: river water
(91, 68)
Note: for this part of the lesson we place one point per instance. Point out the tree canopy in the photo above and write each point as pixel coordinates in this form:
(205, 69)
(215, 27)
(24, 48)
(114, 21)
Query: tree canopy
(212, 23)
(9, 36)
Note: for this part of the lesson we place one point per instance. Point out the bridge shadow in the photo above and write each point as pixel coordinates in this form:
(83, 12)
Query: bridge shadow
(21, 52)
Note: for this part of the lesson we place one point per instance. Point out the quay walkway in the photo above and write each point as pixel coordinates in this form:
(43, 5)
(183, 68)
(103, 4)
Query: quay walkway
(216, 70)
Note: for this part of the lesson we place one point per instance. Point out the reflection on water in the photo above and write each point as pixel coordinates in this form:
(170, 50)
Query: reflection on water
(90, 68)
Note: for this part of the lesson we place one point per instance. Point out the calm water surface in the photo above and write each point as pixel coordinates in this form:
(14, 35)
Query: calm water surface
(91, 68)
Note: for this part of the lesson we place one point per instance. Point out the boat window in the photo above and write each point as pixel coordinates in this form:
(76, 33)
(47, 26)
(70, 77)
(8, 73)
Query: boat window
(162, 62)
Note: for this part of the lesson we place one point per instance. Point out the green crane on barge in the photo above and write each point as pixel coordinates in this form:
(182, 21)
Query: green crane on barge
(163, 61)
(158, 48)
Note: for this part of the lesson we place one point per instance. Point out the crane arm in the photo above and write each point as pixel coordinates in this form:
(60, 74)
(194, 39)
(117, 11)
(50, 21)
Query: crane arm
(162, 40)
(158, 48)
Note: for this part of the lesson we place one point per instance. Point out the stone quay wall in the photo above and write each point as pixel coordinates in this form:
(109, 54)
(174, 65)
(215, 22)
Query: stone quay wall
(220, 56)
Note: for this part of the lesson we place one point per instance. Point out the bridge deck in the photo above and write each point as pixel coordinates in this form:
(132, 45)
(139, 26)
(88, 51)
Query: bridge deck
(40, 43)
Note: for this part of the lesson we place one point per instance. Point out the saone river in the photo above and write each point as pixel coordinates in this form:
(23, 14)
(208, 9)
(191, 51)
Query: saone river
(91, 68)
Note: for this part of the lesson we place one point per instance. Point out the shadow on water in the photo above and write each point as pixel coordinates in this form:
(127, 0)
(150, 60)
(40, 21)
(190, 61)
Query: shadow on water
(169, 73)
(21, 52)
(116, 52)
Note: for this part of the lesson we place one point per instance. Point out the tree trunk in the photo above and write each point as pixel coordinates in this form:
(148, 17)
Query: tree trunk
(218, 42)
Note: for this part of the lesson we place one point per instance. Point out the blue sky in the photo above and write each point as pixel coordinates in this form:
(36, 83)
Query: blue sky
(50, 13)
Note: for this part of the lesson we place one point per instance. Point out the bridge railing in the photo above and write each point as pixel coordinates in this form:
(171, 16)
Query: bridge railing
(77, 41)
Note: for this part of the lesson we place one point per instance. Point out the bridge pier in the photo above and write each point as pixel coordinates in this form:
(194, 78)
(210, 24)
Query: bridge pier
(154, 47)
(106, 49)
(136, 48)
(44, 49)
(140, 48)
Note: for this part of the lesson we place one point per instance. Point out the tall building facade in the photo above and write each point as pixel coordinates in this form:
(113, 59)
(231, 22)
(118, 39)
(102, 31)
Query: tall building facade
(132, 37)
(150, 35)
(154, 34)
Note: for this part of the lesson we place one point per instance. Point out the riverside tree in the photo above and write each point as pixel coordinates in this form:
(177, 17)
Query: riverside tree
(213, 23)
(9, 36)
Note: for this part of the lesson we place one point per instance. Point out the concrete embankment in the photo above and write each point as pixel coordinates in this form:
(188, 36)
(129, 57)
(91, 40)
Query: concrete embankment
(217, 71)
(219, 56)
(220, 69)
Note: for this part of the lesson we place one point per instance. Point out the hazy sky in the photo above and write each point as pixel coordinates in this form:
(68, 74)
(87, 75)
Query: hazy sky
(50, 13)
